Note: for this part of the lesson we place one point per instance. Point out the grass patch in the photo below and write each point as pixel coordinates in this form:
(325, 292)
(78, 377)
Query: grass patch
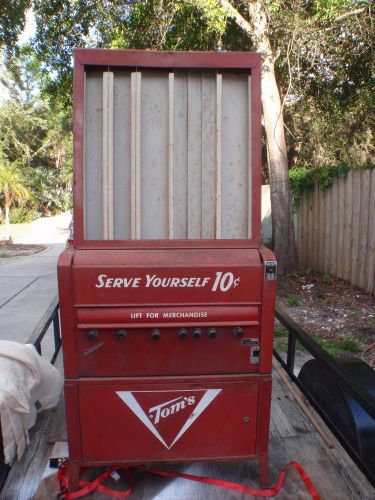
(280, 343)
(293, 301)
(327, 279)
(333, 347)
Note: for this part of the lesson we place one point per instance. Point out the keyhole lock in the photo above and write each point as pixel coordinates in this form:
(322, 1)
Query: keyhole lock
(246, 420)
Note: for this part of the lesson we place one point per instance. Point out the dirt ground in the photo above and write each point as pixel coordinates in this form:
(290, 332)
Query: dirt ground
(9, 251)
(338, 315)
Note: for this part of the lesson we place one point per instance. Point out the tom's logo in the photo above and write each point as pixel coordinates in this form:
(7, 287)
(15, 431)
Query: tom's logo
(168, 414)
(171, 407)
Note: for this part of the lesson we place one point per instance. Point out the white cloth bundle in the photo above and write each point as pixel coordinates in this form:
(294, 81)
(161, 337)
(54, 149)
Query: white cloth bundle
(28, 384)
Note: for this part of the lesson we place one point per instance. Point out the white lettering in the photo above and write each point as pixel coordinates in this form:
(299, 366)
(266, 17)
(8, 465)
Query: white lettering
(149, 279)
(222, 282)
(100, 283)
(168, 408)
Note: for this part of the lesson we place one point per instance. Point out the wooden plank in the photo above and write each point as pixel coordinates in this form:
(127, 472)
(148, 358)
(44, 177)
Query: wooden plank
(209, 87)
(93, 172)
(364, 228)
(327, 235)
(334, 229)
(305, 242)
(299, 232)
(348, 221)
(234, 156)
(310, 231)
(370, 282)
(322, 223)
(315, 229)
(107, 155)
(122, 155)
(24, 477)
(356, 227)
(194, 155)
(340, 227)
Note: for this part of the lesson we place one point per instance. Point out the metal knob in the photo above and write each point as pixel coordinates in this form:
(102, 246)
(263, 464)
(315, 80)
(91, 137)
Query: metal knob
(155, 334)
(197, 332)
(121, 334)
(182, 333)
(92, 334)
(211, 332)
(238, 331)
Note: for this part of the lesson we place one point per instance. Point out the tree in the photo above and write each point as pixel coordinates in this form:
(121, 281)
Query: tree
(303, 45)
(36, 138)
(12, 187)
(12, 21)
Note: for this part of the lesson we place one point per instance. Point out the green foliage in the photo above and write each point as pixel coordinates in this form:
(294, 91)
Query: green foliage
(307, 271)
(280, 339)
(20, 215)
(303, 179)
(327, 279)
(35, 142)
(12, 21)
(293, 301)
(338, 346)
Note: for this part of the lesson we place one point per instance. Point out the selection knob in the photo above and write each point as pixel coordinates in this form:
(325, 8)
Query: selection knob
(92, 334)
(155, 334)
(211, 332)
(197, 332)
(182, 333)
(121, 334)
(238, 331)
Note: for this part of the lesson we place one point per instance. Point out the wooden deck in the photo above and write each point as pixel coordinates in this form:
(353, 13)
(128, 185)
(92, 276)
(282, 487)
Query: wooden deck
(293, 437)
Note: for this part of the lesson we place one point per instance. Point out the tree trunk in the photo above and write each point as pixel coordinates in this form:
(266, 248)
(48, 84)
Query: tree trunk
(281, 200)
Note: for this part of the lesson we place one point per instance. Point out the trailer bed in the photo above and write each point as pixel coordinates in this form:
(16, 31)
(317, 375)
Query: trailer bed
(292, 437)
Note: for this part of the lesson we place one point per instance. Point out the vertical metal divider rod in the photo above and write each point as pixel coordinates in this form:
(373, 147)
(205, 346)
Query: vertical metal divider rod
(108, 155)
(291, 353)
(219, 90)
(170, 155)
(249, 161)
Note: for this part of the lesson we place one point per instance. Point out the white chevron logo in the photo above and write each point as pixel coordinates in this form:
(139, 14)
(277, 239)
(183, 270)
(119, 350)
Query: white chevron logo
(163, 410)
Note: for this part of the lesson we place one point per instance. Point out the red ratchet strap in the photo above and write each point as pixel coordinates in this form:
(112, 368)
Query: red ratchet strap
(87, 487)
(96, 484)
(245, 489)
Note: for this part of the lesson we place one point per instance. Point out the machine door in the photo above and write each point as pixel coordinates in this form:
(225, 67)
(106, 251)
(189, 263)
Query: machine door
(167, 420)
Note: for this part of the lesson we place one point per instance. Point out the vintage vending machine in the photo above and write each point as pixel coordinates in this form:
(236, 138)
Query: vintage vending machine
(167, 296)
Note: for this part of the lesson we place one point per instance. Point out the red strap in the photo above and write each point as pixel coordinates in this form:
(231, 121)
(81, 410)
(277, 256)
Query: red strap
(245, 489)
(87, 487)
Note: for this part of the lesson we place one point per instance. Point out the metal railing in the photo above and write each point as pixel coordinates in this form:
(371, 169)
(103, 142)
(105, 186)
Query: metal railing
(52, 315)
(348, 383)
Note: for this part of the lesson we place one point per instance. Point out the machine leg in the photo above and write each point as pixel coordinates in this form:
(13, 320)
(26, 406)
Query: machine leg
(263, 470)
(74, 470)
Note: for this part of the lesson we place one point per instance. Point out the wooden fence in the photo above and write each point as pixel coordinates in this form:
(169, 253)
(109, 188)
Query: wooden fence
(336, 229)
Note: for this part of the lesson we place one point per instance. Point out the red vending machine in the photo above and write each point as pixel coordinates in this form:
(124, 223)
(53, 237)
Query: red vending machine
(167, 296)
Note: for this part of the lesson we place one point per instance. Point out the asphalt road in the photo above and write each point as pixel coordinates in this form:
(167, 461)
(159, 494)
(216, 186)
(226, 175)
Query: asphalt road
(28, 284)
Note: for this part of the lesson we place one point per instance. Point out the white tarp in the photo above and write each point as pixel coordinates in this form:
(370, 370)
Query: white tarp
(28, 384)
